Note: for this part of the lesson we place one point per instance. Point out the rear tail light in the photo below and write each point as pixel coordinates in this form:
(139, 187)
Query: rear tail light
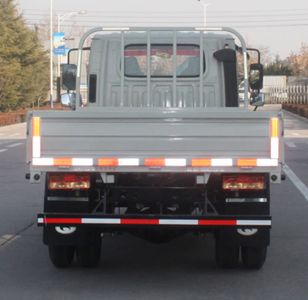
(243, 182)
(64, 181)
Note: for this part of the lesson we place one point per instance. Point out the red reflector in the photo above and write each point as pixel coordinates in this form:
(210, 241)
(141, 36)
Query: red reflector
(68, 181)
(243, 182)
(140, 221)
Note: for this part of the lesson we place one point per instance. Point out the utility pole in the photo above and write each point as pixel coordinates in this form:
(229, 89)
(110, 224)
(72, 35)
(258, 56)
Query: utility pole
(51, 54)
(205, 5)
(60, 19)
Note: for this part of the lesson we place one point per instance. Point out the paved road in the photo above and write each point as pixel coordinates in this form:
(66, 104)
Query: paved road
(134, 269)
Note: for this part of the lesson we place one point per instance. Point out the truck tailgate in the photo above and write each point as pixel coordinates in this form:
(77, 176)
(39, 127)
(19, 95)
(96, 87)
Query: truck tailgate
(218, 137)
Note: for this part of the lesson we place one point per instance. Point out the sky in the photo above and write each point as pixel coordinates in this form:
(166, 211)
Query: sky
(280, 26)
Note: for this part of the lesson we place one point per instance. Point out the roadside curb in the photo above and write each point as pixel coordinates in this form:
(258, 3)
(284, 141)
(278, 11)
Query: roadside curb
(298, 109)
(296, 116)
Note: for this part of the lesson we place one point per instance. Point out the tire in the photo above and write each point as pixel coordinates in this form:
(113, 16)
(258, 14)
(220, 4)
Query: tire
(89, 255)
(254, 257)
(227, 256)
(61, 256)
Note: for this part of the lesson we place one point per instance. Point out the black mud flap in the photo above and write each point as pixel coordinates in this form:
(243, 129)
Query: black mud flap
(247, 237)
(68, 235)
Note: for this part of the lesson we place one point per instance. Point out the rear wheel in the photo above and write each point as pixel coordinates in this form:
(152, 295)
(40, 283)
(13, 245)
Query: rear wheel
(89, 255)
(227, 256)
(254, 257)
(61, 256)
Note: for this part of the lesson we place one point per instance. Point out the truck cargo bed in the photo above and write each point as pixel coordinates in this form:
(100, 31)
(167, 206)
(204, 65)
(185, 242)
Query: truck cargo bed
(228, 133)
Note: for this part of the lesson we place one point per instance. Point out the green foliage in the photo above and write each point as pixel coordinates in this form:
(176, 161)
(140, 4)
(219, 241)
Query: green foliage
(278, 67)
(23, 63)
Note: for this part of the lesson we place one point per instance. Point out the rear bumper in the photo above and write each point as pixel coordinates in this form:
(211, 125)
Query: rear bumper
(107, 221)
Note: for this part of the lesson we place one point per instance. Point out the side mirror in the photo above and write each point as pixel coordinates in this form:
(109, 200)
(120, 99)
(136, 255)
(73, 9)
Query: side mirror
(69, 72)
(69, 100)
(256, 76)
(257, 99)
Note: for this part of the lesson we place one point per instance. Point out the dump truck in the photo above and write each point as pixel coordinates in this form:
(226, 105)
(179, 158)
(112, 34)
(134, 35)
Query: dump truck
(159, 147)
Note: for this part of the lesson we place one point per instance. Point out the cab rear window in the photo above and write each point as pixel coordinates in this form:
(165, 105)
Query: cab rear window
(187, 60)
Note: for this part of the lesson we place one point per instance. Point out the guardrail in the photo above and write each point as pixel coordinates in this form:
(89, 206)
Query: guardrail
(291, 94)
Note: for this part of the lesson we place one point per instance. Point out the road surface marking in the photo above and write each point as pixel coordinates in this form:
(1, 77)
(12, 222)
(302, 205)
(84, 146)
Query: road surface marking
(14, 145)
(290, 144)
(7, 239)
(3, 150)
(296, 181)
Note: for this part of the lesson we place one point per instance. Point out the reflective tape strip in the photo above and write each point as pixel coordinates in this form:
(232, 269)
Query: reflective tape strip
(151, 162)
(177, 222)
(100, 221)
(62, 161)
(107, 162)
(140, 221)
(40, 220)
(154, 162)
(222, 162)
(62, 220)
(42, 161)
(246, 162)
(254, 222)
(36, 146)
(217, 222)
(128, 162)
(175, 162)
(201, 162)
(274, 127)
(48, 161)
(82, 162)
(267, 162)
(36, 126)
(275, 147)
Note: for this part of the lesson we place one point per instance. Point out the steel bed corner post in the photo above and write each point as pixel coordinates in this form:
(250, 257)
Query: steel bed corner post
(79, 62)
(244, 47)
(148, 68)
(122, 67)
(201, 69)
(174, 63)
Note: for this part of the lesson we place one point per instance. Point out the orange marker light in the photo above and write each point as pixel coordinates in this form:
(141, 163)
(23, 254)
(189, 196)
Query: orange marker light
(200, 162)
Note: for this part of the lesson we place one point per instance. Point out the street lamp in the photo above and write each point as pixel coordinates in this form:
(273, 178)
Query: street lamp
(205, 5)
(60, 19)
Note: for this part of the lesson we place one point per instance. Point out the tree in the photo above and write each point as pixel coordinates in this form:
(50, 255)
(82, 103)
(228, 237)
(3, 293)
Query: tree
(299, 62)
(278, 67)
(23, 63)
